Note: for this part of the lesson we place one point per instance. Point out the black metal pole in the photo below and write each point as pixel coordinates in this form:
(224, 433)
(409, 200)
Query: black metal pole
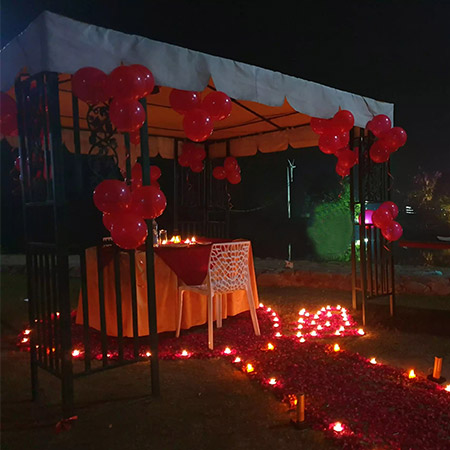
(150, 264)
(362, 174)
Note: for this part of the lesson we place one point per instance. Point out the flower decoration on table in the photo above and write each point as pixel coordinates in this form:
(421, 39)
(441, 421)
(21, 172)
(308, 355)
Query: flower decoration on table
(8, 115)
(124, 86)
(230, 171)
(199, 116)
(334, 139)
(389, 140)
(383, 218)
(192, 156)
(124, 212)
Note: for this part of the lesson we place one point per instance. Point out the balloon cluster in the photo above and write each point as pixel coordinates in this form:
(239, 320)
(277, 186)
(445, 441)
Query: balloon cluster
(136, 176)
(383, 218)
(124, 210)
(334, 139)
(192, 156)
(8, 115)
(199, 115)
(124, 85)
(389, 139)
(230, 170)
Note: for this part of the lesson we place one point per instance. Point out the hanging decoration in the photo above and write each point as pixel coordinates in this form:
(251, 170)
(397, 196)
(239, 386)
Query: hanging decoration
(192, 156)
(334, 139)
(199, 115)
(383, 218)
(8, 115)
(89, 85)
(125, 211)
(389, 140)
(230, 170)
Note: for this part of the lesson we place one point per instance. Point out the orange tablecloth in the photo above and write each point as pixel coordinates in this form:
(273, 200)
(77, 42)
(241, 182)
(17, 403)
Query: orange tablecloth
(166, 286)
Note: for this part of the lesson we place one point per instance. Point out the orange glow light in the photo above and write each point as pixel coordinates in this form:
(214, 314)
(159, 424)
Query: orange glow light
(76, 353)
(270, 346)
(148, 354)
(249, 368)
(336, 348)
(411, 374)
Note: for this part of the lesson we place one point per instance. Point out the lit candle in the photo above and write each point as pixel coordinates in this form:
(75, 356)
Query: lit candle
(361, 332)
(412, 374)
(338, 427)
(278, 334)
(328, 314)
(302, 340)
(314, 333)
(327, 324)
(299, 334)
(261, 305)
(319, 327)
(270, 346)
(300, 410)
(338, 307)
(193, 239)
(437, 368)
(373, 361)
(273, 381)
(27, 332)
(336, 347)
(148, 354)
(76, 353)
(227, 351)
(237, 359)
(184, 353)
(249, 368)
(447, 388)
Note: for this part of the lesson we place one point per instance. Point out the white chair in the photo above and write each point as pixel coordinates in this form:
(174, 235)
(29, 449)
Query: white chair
(227, 272)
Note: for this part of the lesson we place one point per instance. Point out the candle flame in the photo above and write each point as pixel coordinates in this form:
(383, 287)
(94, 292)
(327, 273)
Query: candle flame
(76, 353)
(24, 340)
(227, 351)
(27, 331)
(327, 324)
(314, 333)
(269, 309)
(276, 319)
(302, 340)
(164, 242)
(193, 239)
(273, 381)
(336, 348)
(361, 332)
(278, 334)
(338, 427)
(300, 327)
(184, 353)
(237, 359)
(373, 361)
(249, 368)
(313, 322)
(447, 388)
(270, 346)
(319, 327)
(338, 307)
(328, 314)
(302, 312)
(316, 316)
(148, 354)
(299, 334)
(261, 305)
(328, 307)
(276, 325)
(411, 374)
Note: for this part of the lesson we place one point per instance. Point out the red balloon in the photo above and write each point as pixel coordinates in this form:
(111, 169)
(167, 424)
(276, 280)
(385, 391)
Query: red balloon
(197, 166)
(127, 115)
(184, 101)
(330, 143)
(90, 85)
(128, 230)
(345, 138)
(108, 220)
(347, 158)
(382, 218)
(234, 177)
(112, 196)
(379, 152)
(126, 83)
(155, 173)
(392, 231)
(320, 126)
(147, 76)
(198, 153)
(184, 160)
(135, 137)
(148, 202)
(219, 173)
(197, 125)
(218, 105)
(391, 207)
(230, 164)
(379, 124)
(8, 115)
(342, 121)
(394, 138)
(342, 171)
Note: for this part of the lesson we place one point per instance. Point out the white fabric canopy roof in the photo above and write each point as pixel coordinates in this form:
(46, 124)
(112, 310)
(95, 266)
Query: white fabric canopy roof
(59, 44)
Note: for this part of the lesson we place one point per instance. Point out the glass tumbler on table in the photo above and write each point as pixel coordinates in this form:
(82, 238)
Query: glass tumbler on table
(162, 237)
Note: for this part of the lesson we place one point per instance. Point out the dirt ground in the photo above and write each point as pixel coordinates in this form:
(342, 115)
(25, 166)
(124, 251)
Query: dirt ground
(204, 404)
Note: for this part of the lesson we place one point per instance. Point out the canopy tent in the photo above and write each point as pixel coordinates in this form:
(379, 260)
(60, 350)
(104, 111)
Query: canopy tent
(271, 110)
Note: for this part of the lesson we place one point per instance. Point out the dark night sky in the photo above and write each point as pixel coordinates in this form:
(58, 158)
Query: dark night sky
(397, 52)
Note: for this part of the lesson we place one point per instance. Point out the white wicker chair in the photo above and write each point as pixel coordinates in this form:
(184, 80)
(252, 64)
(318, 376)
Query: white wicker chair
(227, 272)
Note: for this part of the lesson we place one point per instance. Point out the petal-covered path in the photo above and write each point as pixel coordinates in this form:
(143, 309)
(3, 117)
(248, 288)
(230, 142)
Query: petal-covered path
(378, 406)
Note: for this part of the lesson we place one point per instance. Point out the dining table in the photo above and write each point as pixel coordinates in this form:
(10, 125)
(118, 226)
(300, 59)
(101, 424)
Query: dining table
(174, 264)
